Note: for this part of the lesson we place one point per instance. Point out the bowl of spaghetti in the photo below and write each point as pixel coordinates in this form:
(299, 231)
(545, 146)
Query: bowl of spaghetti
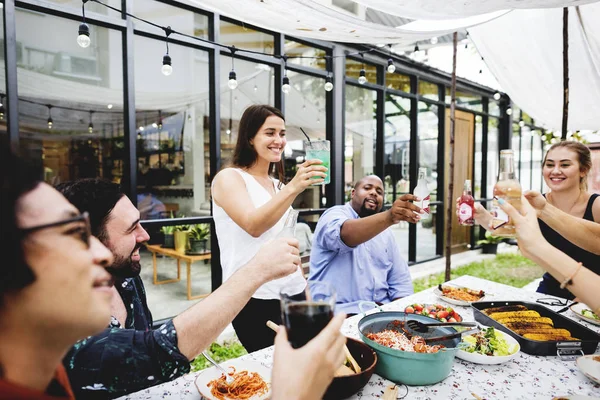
(252, 381)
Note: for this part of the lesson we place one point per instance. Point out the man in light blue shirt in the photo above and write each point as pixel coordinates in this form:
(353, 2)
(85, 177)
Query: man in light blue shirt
(355, 252)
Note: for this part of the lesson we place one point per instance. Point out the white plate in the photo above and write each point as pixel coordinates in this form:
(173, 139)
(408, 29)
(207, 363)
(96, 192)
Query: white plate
(439, 294)
(590, 367)
(483, 359)
(578, 308)
(204, 377)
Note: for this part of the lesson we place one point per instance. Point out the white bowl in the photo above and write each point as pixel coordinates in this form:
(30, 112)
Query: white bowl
(578, 309)
(483, 359)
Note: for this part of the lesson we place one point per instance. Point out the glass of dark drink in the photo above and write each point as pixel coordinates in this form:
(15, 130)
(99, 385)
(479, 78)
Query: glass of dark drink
(305, 314)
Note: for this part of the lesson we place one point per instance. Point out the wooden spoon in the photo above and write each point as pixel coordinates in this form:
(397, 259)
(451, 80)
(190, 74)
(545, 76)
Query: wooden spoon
(349, 357)
(391, 393)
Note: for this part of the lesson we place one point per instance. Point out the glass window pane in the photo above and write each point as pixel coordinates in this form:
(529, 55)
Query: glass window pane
(255, 86)
(493, 156)
(172, 133)
(426, 235)
(294, 50)
(466, 100)
(397, 147)
(516, 113)
(525, 159)
(304, 108)
(429, 90)
(361, 128)
(181, 20)
(397, 81)
(493, 108)
(478, 157)
(516, 147)
(353, 68)
(79, 90)
(428, 152)
(538, 157)
(243, 37)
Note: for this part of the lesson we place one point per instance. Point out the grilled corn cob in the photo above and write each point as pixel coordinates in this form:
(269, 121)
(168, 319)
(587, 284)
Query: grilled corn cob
(549, 331)
(523, 326)
(540, 320)
(518, 307)
(514, 314)
(545, 337)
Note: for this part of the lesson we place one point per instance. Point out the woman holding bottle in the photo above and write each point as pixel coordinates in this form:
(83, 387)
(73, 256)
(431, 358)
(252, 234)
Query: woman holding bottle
(565, 169)
(250, 207)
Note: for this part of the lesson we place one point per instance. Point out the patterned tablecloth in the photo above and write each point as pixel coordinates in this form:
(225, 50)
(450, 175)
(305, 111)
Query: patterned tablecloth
(524, 377)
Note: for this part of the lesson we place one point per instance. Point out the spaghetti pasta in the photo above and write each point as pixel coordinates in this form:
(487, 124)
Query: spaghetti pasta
(244, 386)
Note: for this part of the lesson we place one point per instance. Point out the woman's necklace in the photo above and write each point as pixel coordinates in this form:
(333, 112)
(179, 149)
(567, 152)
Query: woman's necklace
(550, 197)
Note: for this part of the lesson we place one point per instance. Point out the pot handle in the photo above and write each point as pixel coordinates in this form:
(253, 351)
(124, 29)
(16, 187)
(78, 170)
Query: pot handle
(363, 304)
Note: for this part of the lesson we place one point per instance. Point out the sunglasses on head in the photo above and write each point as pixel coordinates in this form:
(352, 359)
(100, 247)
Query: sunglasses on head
(85, 233)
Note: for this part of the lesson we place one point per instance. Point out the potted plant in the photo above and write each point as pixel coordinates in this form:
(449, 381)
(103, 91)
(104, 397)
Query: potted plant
(181, 238)
(489, 245)
(199, 235)
(169, 240)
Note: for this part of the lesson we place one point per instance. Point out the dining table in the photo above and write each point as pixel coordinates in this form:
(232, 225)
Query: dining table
(523, 377)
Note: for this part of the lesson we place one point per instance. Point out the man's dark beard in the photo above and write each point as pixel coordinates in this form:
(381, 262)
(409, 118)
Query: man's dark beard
(125, 267)
(365, 212)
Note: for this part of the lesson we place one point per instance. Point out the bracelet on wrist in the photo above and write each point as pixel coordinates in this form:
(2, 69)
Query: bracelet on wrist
(569, 279)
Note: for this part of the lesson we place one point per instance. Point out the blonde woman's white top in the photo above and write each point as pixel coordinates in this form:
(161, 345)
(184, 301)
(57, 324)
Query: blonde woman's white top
(238, 246)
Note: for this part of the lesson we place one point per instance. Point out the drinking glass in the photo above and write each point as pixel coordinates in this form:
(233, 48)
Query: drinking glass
(318, 150)
(305, 314)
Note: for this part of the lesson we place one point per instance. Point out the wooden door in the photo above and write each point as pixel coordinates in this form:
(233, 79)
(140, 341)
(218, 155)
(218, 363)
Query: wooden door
(463, 169)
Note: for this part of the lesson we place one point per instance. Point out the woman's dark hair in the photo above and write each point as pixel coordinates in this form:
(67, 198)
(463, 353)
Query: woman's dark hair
(96, 196)
(245, 155)
(17, 178)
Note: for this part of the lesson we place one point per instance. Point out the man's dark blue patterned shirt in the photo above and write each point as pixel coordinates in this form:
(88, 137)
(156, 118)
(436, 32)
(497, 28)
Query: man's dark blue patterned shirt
(122, 360)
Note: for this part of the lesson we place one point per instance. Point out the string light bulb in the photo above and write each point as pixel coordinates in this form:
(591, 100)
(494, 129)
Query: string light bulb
(391, 68)
(328, 83)
(509, 111)
(362, 76)
(521, 123)
(285, 87)
(416, 48)
(83, 39)
(497, 96)
(50, 122)
(434, 40)
(167, 68)
(91, 125)
(232, 83)
(159, 125)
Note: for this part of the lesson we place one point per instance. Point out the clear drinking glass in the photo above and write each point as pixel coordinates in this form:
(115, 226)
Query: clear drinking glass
(305, 314)
(318, 150)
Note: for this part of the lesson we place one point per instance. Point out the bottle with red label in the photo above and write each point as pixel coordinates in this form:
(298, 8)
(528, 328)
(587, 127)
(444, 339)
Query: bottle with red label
(466, 206)
(422, 192)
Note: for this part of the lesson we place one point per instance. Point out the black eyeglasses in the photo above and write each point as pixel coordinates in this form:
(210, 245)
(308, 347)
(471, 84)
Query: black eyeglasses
(549, 301)
(85, 233)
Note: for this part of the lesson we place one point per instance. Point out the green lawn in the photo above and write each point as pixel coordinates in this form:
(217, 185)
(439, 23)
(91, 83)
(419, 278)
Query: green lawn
(508, 268)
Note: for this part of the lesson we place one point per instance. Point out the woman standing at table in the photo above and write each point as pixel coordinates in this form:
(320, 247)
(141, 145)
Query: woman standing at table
(565, 170)
(250, 207)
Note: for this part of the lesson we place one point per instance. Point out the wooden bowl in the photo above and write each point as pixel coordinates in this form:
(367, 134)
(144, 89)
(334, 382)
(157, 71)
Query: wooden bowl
(345, 386)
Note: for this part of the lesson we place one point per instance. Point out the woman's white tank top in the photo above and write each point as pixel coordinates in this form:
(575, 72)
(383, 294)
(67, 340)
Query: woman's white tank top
(238, 246)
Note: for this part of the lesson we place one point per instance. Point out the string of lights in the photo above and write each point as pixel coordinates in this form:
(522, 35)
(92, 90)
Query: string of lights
(83, 39)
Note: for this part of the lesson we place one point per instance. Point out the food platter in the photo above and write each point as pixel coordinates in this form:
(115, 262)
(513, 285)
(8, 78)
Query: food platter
(578, 311)
(477, 295)
(479, 358)
(590, 366)
(205, 377)
(440, 312)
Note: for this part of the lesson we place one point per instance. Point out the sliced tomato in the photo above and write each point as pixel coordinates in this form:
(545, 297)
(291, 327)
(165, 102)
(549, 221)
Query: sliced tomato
(442, 314)
(409, 310)
(418, 307)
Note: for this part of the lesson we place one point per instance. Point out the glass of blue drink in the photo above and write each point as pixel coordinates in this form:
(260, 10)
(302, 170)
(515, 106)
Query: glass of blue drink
(318, 150)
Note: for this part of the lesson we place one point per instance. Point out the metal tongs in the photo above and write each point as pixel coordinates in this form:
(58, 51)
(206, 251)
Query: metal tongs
(421, 327)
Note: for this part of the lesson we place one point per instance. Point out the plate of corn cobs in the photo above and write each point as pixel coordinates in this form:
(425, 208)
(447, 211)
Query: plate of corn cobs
(528, 323)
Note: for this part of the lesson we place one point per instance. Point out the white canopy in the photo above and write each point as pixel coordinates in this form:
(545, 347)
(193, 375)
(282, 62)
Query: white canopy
(524, 52)
(451, 9)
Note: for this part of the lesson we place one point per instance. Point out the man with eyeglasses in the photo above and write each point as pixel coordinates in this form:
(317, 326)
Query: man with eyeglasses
(129, 355)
